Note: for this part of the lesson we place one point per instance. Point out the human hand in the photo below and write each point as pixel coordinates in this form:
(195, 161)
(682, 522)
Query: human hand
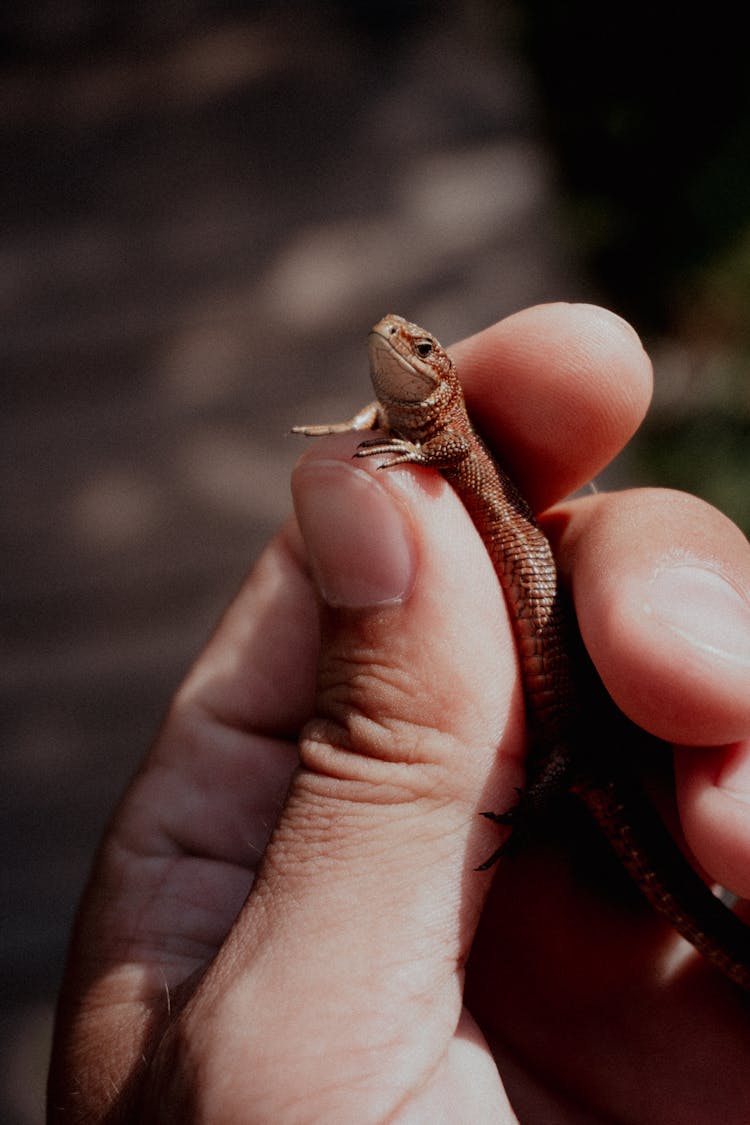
(373, 974)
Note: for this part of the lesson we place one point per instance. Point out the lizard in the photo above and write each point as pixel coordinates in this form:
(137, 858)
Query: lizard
(421, 418)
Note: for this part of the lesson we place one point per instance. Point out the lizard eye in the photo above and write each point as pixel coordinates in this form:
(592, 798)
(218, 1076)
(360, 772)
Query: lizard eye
(423, 348)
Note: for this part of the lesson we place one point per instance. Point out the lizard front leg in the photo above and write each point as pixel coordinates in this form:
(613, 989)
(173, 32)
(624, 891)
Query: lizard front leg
(368, 418)
(445, 451)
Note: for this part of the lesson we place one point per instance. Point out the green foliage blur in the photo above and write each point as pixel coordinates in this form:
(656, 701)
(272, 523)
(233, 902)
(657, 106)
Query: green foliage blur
(648, 109)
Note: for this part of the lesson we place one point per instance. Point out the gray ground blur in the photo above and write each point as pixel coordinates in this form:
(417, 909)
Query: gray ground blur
(197, 233)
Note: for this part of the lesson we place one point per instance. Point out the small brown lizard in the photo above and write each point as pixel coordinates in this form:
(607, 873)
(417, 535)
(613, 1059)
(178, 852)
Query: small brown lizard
(421, 412)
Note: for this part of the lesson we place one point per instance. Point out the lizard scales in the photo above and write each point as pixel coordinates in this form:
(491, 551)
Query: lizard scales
(423, 420)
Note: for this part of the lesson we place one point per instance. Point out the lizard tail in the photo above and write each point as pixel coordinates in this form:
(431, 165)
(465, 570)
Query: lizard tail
(664, 875)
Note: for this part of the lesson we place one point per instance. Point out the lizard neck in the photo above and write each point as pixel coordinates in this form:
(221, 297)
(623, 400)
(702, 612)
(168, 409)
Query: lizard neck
(419, 421)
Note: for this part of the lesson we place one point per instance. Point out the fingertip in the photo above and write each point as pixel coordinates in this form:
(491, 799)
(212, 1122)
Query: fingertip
(661, 584)
(557, 389)
(713, 789)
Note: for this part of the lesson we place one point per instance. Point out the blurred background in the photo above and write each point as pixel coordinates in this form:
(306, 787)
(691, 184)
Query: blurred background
(205, 205)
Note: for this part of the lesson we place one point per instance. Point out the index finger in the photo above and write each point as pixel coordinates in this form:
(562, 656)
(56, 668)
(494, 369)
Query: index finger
(557, 390)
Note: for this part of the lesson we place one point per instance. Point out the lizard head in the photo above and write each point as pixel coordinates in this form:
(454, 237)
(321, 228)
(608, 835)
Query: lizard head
(407, 364)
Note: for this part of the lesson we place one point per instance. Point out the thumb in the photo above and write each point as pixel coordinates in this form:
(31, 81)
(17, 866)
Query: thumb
(417, 668)
(353, 943)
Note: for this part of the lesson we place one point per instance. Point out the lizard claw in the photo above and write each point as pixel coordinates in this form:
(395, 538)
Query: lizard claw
(488, 863)
(510, 817)
(402, 452)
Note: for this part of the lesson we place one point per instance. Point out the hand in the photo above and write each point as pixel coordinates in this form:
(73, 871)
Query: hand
(373, 974)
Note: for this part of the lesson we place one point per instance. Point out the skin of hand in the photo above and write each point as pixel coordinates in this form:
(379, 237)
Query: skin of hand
(357, 707)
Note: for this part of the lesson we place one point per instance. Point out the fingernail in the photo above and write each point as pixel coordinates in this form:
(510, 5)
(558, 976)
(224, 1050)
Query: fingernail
(358, 536)
(704, 608)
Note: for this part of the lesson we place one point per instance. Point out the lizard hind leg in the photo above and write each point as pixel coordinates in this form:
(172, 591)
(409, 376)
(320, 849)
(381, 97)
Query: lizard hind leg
(509, 844)
(546, 783)
(520, 818)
